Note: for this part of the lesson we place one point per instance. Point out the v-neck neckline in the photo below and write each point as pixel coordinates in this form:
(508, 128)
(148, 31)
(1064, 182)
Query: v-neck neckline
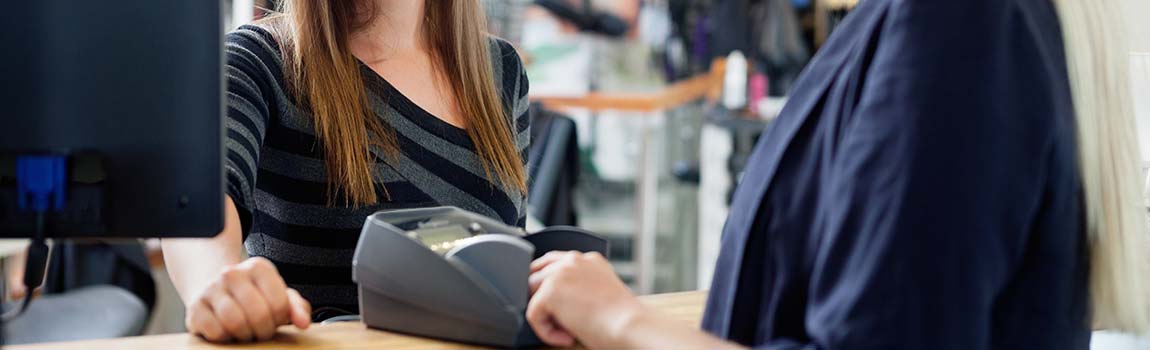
(409, 109)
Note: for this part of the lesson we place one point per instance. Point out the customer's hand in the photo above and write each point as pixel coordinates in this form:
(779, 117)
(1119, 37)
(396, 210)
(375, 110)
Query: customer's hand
(577, 296)
(247, 302)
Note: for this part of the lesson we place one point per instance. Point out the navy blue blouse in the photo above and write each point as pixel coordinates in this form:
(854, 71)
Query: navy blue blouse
(919, 191)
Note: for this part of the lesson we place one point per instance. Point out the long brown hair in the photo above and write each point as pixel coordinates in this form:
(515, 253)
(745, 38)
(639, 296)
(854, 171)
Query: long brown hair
(325, 78)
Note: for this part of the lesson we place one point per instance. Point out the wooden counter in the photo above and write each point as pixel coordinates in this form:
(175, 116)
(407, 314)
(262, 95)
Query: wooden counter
(706, 86)
(686, 307)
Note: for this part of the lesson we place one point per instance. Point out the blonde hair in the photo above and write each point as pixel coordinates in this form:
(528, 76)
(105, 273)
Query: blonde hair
(1097, 54)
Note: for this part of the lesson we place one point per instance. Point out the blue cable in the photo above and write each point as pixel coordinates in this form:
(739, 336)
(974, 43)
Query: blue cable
(40, 189)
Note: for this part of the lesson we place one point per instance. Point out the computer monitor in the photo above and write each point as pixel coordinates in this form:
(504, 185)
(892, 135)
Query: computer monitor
(130, 94)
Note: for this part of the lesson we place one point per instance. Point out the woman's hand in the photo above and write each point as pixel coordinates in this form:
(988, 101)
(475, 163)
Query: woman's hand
(246, 302)
(577, 295)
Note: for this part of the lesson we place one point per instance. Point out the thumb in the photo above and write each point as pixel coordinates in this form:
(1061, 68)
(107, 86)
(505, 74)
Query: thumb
(555, 334)
(300, 309)
(541, 320)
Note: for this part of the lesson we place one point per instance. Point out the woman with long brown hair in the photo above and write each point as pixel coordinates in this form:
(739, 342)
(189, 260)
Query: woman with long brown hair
(337, 109)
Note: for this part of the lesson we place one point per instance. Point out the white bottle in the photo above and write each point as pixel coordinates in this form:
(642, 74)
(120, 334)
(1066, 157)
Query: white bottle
(735, 82)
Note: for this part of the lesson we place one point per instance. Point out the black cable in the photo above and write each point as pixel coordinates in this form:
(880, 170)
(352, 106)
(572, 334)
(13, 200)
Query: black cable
(34, 267)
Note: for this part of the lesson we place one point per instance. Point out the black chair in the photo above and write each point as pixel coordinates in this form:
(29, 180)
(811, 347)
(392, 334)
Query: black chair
(553, 170)
(123, 264)
(92, 312)
(92, 290)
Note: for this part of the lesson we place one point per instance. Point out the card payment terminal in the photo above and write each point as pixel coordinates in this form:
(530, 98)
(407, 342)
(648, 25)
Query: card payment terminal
(452, 274)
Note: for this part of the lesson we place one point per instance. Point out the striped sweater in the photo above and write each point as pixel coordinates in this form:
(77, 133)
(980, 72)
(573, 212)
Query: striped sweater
(276, 174)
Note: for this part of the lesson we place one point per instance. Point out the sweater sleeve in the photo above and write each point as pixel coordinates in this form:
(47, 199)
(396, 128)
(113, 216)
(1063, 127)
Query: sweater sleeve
(250, 73)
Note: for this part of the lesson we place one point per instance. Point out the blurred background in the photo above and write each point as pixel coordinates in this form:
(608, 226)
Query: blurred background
(644, 113)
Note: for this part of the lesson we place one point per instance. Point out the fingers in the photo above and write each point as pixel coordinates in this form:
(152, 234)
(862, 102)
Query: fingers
(540, 317)
(556, 335)
(202, 321)
(252, 302)
(300, 309)
(547, 265)
(573, 295)
(271, 285)
(248, 301)
(595, 257)
(549, 258)
(535, 280)
(231, 315)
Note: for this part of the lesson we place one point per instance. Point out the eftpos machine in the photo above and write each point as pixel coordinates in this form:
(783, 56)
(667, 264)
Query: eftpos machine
(451, 274)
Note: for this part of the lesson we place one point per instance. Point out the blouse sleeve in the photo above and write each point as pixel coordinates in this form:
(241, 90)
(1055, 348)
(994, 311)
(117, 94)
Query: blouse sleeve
(939, 177)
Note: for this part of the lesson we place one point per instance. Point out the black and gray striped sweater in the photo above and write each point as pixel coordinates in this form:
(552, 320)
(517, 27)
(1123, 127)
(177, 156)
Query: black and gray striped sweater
(276, 176)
